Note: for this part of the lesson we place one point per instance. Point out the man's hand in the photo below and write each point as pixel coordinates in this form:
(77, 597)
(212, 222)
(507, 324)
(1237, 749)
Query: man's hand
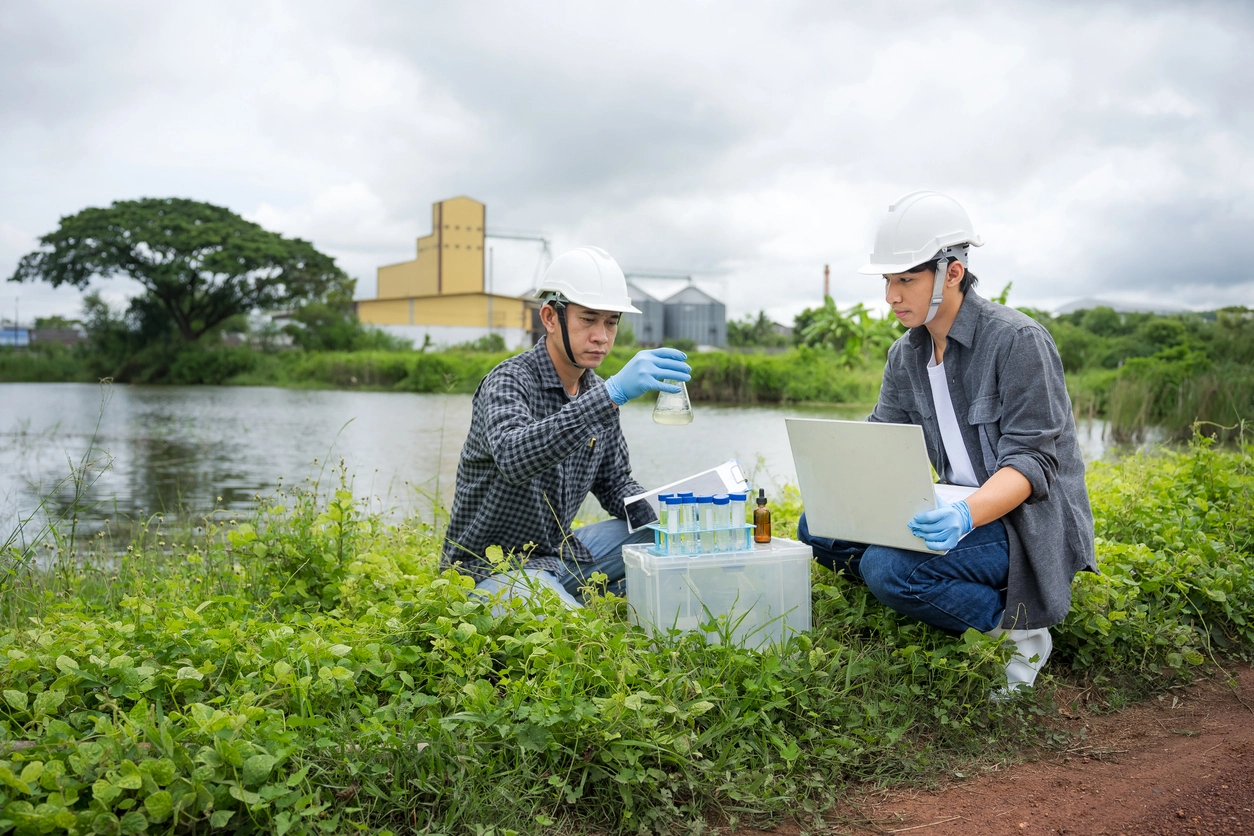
(943, 528)
(645, 373)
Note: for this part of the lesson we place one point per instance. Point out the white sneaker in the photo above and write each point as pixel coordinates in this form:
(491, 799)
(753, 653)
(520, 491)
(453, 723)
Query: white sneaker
(1032, 649)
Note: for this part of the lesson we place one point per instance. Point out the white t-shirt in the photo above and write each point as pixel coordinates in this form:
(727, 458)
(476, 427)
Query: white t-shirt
(961, 472)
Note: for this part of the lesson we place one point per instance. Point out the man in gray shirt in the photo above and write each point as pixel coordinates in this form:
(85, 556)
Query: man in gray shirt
(986, 384)
(544, 432)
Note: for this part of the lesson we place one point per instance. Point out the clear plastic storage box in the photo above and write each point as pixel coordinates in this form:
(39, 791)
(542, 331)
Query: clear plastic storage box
(763, 593)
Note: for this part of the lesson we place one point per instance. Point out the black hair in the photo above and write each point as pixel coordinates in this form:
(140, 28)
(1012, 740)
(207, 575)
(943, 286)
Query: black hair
(969, 279)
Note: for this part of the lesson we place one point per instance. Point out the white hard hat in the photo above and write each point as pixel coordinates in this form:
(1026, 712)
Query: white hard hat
(916, 229)
(587, 276)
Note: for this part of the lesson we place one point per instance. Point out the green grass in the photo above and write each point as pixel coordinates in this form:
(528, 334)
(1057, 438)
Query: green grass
(309, 670)
(49, 364)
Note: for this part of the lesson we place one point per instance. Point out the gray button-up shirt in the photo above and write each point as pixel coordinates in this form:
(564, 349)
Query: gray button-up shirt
(532, 456)
(1010, 397)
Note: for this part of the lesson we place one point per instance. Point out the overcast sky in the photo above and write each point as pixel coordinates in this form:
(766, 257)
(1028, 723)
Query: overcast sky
(1101, 149)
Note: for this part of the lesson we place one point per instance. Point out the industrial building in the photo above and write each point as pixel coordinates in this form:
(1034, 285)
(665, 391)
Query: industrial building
(693, 314)
(648, 326)
(689, 314)
(440, 297)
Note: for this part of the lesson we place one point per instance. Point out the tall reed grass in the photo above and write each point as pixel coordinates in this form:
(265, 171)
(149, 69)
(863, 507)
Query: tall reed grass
(1166, 399)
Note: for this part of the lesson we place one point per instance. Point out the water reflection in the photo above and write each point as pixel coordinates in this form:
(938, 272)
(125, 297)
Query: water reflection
(188, 450)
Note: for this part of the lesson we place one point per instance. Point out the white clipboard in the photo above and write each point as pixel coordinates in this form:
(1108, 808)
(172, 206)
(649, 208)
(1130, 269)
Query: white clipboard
(728, 477)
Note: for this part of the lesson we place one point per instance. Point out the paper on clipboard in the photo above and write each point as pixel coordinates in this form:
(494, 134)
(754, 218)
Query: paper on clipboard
(728, 477)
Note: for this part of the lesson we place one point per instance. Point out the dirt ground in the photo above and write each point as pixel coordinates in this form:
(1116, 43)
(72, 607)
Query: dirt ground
(1183, 764)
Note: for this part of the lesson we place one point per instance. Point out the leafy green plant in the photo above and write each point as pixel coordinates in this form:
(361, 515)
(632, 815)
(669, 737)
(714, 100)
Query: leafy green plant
(858, 335)
(308, 669)
(1176, 551)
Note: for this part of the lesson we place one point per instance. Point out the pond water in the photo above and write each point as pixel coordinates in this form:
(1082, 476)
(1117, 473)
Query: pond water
(187, 450)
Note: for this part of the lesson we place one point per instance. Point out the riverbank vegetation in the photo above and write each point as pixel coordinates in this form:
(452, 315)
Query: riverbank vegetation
(1138, 371)
(307, 669)
(1142, 371)
(794, 376)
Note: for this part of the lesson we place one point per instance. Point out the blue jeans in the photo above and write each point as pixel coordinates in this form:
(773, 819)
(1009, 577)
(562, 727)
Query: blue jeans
(966, 587)
(605, 541)
(522, 583)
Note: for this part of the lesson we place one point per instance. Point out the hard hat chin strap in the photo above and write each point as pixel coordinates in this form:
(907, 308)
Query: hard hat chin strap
(938, 289)
(948, 254)
(560, 309)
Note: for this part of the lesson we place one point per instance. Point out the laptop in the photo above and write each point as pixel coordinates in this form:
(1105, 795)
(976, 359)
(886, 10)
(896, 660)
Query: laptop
(864, 481)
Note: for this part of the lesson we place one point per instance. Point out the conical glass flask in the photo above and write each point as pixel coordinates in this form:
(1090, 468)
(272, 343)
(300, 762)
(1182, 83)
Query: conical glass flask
(673, 409)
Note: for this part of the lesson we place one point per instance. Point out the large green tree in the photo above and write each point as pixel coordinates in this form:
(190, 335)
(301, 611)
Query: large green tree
(201, 264)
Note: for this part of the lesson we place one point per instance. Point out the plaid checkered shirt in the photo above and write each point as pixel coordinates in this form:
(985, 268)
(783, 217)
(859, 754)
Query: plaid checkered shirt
(532, 455)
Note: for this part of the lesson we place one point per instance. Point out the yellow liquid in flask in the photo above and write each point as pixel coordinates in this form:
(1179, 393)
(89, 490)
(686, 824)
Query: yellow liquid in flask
(673, 409)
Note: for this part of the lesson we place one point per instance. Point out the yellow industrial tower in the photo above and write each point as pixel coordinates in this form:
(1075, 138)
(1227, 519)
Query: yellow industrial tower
(441, 294)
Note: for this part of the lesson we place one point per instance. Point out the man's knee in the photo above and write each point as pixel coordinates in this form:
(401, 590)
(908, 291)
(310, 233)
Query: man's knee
(609, 536)
(803, 530)
(886, 573)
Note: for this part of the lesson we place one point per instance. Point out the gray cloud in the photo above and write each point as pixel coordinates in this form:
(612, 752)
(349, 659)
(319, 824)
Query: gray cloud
(1103, 149)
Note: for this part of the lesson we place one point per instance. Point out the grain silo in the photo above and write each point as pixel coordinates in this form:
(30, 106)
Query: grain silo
(695, 315)
(650, 324)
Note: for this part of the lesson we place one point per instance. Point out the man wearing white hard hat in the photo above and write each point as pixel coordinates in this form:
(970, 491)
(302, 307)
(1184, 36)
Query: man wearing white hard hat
(544, 433)
(986, 384)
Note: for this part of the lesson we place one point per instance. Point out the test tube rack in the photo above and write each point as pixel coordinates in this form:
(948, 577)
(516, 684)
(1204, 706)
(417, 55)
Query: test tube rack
(735, 538)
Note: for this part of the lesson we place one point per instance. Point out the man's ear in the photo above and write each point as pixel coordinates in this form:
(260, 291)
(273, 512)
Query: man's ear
(954, 273)
(548, 318)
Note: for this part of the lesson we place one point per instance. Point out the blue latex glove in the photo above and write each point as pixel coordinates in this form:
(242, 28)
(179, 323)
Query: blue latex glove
(645, 373)
(943, 528)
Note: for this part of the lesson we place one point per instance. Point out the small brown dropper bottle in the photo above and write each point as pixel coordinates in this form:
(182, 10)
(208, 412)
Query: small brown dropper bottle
(761, 519)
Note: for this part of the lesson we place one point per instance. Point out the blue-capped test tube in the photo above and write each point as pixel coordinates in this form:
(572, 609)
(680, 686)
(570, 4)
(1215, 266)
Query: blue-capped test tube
(705, 521)
(661, 510)
(722, 519)
(737, 505)
(681, 539)
(673, 523)
(688, 523)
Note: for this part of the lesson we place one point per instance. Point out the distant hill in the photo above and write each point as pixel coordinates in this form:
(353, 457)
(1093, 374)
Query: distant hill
(1086, 304)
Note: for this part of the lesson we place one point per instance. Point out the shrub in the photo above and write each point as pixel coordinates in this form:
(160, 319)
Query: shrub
(797, 375)
(489, 343)
(213, 366)
(682, 343)
(43, 364)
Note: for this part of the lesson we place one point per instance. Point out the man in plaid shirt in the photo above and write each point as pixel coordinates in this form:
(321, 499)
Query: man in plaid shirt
(544, 432)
